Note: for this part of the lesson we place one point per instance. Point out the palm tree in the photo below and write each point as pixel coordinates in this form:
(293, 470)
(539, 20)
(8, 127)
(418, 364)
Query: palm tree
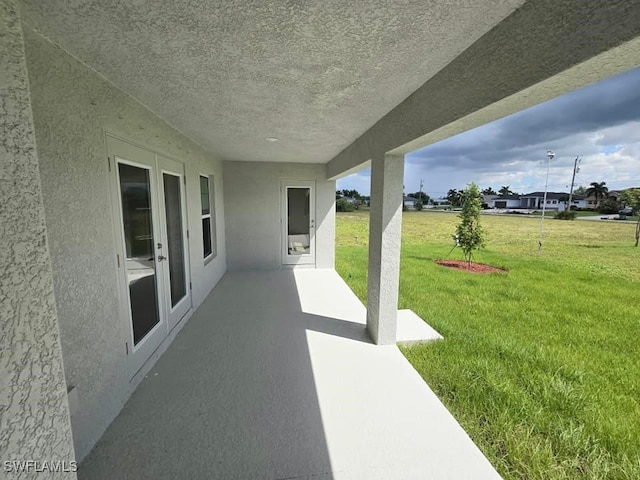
(504, 191)
(598, 190)
(488, 191)
(454, 197)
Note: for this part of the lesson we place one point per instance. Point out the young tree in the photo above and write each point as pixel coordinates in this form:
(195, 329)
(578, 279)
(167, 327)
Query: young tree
(469, 231)
(581, 190)
(631, 198)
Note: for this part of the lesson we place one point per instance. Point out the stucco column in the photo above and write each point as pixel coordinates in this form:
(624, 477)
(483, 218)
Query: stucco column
(34, 412)
(385, 230)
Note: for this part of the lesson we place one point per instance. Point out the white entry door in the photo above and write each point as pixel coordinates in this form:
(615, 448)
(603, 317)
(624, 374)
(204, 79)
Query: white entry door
(298, 223)
(149, 202)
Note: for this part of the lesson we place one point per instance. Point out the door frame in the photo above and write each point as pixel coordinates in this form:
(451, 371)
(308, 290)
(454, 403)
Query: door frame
(138, 355)
(304, 259)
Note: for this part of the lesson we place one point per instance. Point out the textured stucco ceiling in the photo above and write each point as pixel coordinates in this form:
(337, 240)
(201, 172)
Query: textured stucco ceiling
(315, 74)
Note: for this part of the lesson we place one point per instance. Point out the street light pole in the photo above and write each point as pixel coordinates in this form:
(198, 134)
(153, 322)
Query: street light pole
(550, 155)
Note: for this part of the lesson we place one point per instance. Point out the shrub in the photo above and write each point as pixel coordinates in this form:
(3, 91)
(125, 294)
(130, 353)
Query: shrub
(566, 215)
(343, 205)
(418, 206)
(609, 206)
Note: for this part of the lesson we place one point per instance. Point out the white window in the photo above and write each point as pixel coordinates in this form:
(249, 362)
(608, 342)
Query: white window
(207, 196)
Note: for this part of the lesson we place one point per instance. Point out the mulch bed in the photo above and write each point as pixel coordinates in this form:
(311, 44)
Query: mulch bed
(470, 267)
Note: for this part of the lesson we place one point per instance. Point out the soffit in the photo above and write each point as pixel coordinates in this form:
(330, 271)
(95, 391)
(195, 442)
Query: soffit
(228, 74)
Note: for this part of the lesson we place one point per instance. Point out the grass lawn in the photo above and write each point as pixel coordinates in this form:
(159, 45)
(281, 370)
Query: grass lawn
(551, 213)
(541, 366)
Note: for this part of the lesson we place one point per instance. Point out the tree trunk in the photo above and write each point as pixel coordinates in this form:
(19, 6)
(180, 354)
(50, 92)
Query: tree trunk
(638, 232)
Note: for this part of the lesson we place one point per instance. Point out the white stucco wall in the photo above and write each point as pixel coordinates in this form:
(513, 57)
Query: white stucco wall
(511, 203)
(73, 107)
(252, 200)
(34, 417)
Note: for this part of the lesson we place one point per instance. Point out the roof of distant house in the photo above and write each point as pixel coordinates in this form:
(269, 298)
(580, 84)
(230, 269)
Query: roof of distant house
(620, 192)
(507, 197)
(553, 195)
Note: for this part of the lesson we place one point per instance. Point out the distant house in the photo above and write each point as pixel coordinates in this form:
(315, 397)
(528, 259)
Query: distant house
(555, 201)
(505, 201)
(441, 201)
(410, 202)
(617, 194)
(535, 200)
(488, 199)
(352, 200)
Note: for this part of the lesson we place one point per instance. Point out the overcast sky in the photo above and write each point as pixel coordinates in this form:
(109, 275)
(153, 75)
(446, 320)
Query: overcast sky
(600, 123)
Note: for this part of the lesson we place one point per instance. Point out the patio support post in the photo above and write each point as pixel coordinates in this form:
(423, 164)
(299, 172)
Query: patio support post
(385, 229)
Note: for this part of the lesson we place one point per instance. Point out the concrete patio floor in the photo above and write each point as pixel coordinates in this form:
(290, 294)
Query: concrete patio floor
(274, 377)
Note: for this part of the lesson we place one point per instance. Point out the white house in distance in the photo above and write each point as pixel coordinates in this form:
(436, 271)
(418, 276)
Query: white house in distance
(167, 217)
(505, 201)
(410, 202)
(535, 200)
(555, 200)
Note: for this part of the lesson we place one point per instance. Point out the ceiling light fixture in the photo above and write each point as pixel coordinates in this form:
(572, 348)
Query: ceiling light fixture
(272, 139)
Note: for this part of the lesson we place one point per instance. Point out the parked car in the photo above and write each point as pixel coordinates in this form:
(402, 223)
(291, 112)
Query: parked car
(627, 211)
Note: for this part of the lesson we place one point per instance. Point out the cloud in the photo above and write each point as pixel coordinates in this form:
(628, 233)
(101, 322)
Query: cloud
(600, 122)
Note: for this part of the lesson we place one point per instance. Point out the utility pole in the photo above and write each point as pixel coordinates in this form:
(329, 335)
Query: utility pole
(421, 185)
(576, 169)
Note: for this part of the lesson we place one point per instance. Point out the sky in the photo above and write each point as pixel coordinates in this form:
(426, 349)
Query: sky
(599, 123)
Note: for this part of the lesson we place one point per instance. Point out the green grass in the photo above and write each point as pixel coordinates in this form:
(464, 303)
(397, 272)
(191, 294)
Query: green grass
(541, 366)
(551, 213)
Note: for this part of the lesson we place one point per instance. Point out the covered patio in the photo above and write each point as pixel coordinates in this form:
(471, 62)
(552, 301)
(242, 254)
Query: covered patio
(217, 110)
(276, 377)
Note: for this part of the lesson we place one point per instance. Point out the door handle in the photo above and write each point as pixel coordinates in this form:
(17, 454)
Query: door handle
(161, 258)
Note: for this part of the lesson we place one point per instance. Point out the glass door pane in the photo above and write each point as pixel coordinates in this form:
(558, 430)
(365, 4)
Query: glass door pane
(298, 221)
(175, 247)
(135, 193)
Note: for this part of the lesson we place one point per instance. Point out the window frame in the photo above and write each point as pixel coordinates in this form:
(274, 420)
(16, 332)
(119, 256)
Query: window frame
(211, 216)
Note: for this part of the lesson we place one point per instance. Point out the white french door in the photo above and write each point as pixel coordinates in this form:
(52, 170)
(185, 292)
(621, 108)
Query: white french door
(298, 223)
(174, 234)
(149, 202)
